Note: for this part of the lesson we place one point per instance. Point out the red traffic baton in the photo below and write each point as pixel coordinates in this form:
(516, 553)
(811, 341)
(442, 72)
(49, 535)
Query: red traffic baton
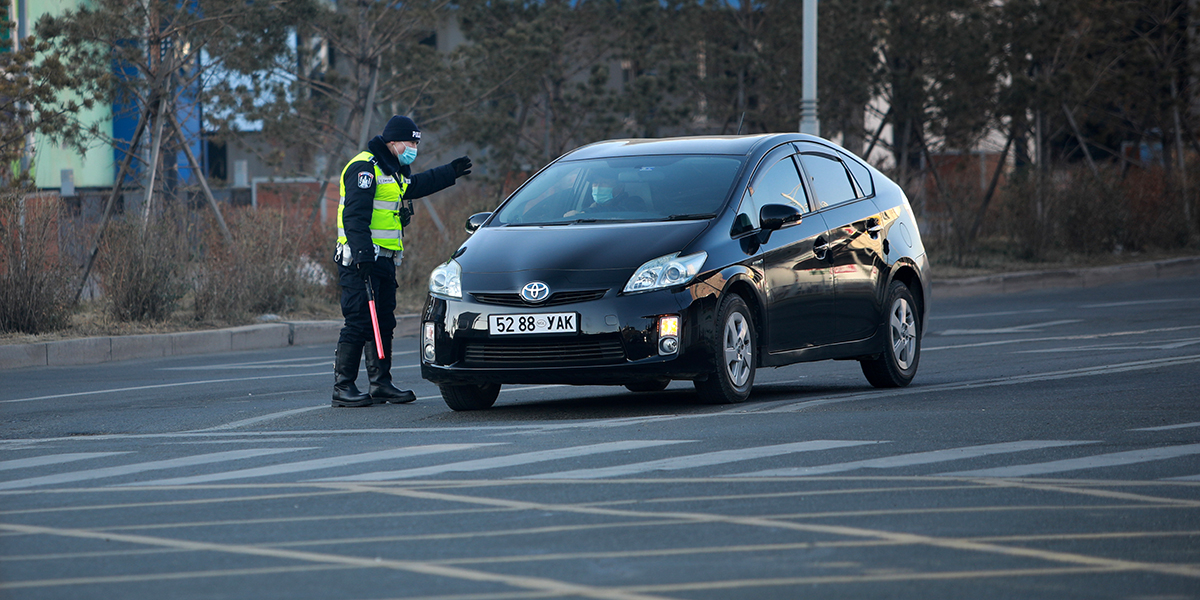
(374, 318)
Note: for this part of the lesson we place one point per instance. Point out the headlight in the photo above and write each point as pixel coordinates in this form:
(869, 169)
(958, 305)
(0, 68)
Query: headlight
(446, 280)
(665, 271)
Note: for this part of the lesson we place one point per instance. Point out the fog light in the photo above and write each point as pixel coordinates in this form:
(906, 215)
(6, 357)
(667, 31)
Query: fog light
(427, 351)
(668, 326)
(668, 345)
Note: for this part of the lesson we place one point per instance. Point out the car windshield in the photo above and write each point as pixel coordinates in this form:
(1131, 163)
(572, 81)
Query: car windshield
(627, 189)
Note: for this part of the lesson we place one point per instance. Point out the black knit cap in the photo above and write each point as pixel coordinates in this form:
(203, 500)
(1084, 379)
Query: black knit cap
(401, 129)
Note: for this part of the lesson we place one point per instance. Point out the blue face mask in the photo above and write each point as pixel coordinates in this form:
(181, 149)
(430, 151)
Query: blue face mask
(602, 194)
(408, 156)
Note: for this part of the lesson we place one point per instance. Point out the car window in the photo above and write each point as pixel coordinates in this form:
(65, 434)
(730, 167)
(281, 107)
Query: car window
(626, 189)
(829, 179)
(777, 183)
(861, 173)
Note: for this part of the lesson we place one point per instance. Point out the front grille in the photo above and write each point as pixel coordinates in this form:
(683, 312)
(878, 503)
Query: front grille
(555, 299)
(545, 352)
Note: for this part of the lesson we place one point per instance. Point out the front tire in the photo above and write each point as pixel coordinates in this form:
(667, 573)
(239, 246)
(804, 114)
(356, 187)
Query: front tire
(469, 396)
(736, 345)
(897, 364)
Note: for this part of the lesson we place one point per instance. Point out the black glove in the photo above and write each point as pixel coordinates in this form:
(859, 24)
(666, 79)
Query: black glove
(462, 166)
(365, 269)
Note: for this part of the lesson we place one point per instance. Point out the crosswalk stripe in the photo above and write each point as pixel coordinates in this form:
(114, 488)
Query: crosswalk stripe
(157, 465)
(52, 459)
(699, 460)
(315, 464)
(507, 461)
(916, 458)
(1115, 459)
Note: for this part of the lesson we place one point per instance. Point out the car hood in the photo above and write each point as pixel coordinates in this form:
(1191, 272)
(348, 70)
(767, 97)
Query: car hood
(580, 255)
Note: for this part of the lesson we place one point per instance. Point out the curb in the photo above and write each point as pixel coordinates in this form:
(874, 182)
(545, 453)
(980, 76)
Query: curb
(95, 350)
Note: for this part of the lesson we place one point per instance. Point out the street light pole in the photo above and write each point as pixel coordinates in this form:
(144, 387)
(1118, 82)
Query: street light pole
(808, 104)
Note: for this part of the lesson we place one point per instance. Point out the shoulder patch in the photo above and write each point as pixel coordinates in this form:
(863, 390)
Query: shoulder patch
(366, 179)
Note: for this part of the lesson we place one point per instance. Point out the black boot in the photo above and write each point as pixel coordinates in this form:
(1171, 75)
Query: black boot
(379, 371)
(345, 371)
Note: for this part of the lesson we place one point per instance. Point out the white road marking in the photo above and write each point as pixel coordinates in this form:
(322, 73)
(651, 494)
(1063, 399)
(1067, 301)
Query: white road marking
(1016, 380)
(1168, 427)
(157, 465)
(52, 459)
(165, 385)
(1002, 330)
(1138, 302)
(1165, 345)
(507, 461)
(916, 458)
(1115, 459)
(267, 417)
(1059, 338)
(992, 314)
(312, 465)
(701, 460)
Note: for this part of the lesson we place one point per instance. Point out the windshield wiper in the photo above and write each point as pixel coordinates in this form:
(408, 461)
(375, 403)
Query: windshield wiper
(690, 217)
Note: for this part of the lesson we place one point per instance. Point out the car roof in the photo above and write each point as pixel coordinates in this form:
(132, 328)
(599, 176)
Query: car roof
(741, 145)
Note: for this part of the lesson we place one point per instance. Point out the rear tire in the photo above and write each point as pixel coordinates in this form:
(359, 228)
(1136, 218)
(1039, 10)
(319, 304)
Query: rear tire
(736, 343)
(897, 364)
(470, 396)
(649, 385)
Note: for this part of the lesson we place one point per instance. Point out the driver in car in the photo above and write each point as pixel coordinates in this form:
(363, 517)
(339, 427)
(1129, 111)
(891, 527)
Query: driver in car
(608, 195)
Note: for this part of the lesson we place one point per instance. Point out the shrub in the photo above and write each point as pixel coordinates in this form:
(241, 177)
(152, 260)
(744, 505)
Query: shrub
(35, 285)
(142, 267)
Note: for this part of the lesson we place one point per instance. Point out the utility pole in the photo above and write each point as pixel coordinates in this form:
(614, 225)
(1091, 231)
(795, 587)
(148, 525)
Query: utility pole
(808, 103)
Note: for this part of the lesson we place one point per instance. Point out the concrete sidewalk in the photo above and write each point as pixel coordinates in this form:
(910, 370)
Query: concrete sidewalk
(94, 350)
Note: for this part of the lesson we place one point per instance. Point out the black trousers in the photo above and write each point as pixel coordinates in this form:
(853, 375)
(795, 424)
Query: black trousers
(355, 309)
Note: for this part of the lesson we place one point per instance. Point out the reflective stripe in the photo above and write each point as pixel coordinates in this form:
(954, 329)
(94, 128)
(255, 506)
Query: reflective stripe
(385, 205)
(385, 234)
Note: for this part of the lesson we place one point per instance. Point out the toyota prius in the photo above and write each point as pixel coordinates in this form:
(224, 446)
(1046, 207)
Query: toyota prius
(639, 262)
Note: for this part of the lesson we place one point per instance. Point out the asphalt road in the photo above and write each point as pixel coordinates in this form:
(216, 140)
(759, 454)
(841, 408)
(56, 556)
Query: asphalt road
(1049, 448)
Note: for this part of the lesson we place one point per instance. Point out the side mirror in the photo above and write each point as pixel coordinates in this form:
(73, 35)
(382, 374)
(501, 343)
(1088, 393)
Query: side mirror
(777, 216)
(475, 221)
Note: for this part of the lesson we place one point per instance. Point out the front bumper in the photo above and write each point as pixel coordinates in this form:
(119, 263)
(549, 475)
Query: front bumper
(617, 341)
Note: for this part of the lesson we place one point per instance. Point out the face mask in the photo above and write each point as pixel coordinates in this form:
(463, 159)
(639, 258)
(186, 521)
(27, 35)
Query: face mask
(409, 155)
(602, 194)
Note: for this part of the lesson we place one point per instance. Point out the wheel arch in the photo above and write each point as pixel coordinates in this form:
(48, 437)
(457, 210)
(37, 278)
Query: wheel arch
(908, 274)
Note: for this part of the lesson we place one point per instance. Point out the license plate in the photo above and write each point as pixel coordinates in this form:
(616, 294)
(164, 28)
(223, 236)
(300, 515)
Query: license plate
(539, 323)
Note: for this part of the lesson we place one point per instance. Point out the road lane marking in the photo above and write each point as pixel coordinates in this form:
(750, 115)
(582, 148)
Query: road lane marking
(312, 465)
(700, 460)
(261, 419)
(160, 386)
(52, 459)
(1115, 459)
(511, 460)
(916, 458)
(542, 584)
(172, 576)
(1016, 329)
(1001, 381)
(157, 465)
(1059, 338)
(1163, 345)
(992, 314)
(1169, 427)
(1138, 302)
(960, 544)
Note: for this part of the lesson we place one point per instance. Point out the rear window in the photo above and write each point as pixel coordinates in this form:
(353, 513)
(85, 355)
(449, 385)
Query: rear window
(629, 189)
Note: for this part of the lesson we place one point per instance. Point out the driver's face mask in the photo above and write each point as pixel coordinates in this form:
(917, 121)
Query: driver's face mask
(601, 194)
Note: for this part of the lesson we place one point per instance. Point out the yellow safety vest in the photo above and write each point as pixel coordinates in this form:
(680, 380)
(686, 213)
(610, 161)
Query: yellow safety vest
(385, 215)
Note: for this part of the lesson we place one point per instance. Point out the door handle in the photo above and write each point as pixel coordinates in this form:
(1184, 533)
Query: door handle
(820, 248)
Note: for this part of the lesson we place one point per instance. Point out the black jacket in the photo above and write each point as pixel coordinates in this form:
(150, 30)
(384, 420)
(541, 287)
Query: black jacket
(356, 216)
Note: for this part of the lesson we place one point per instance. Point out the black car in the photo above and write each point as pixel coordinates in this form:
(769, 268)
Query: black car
(636, 262)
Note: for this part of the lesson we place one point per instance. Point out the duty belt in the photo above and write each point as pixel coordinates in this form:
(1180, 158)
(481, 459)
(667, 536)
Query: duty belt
(387, 253)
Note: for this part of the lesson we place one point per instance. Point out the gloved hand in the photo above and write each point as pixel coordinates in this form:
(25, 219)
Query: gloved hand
(365, 269)
(462, 166)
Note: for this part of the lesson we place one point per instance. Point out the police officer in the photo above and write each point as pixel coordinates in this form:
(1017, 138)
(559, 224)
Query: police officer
(369, 249)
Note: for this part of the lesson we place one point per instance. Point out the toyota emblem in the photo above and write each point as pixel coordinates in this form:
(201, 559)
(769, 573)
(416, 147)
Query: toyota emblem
(535, 292)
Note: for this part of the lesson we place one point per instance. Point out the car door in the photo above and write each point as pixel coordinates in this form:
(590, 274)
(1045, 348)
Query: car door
(796, 279)
(856, 254)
